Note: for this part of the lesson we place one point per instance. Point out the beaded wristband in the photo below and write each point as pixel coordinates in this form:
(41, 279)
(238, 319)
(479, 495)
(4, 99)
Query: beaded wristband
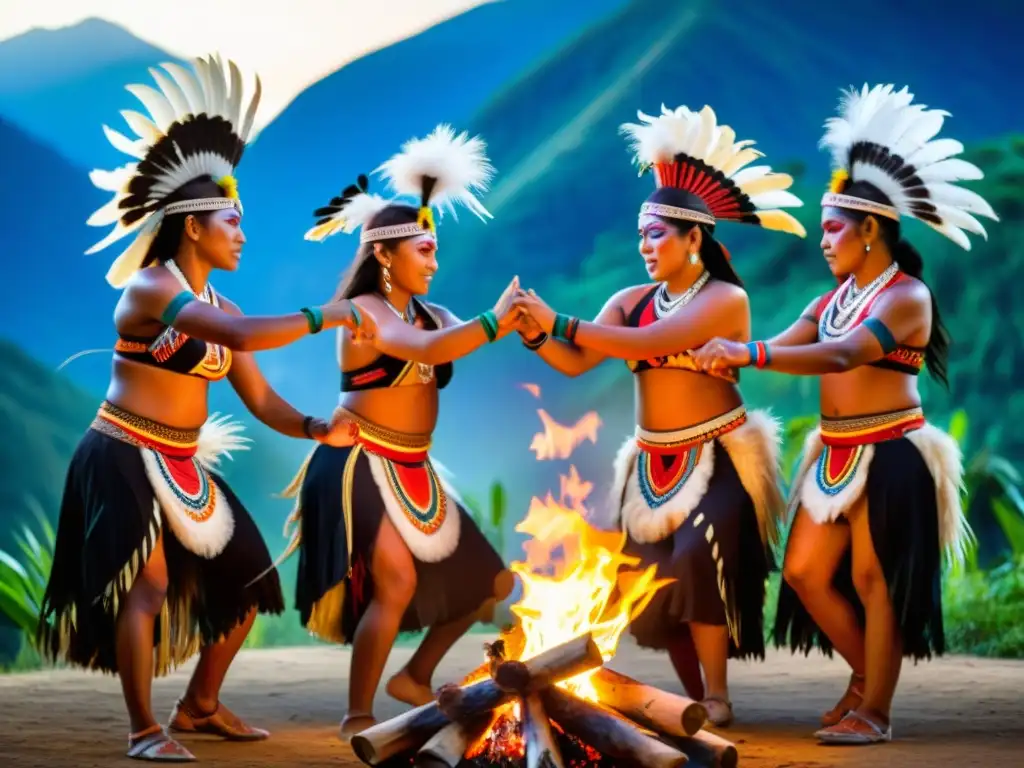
(490, 323)
(314, 318)
(760, 355)
(562, 324)
(536, 343)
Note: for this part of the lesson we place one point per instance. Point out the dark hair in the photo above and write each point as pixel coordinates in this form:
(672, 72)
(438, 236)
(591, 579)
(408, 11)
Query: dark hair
(909, 261)
(362, 276)
(168, 238)
(711, 251)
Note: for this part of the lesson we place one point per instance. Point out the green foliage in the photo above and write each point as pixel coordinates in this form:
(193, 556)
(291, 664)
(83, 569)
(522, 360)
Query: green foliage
(984, 611)
(24, 574)
(490, 521)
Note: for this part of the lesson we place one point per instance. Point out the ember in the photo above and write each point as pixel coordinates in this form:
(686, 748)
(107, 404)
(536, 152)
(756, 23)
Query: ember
(543, 697)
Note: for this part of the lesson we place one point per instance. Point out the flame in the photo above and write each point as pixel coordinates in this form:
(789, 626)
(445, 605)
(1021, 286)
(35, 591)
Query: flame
(575, 579)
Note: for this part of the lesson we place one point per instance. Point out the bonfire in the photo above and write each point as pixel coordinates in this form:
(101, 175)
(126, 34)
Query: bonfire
(544, 697)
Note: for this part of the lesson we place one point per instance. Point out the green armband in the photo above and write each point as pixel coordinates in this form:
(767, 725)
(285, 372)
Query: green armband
(170, 313)
(314, 317)
(356, 317)
(880, 332)
(490, 323)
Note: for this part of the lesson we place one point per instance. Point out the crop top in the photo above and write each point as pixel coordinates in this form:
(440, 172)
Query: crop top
(172, 350)
(643, 314)
(898, 357)
(388, 371)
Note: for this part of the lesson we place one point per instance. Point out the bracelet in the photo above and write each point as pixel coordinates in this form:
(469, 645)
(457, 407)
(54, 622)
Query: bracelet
(536, 343)
(356, 317)
(315, 319)
(490, 323)
(565, 327)
(760, 354)
(306, 424)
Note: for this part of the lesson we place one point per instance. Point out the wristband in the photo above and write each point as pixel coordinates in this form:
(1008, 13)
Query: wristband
(562, 326)
(307, 423)
(760, 354)
(490, 323)
(536, 343)
(314, 318)
(170, 313)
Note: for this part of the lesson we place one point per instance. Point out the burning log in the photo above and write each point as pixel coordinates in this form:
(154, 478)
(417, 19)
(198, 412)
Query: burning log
(613, 736)
(711, 749)
(541, 749)
(651, 707)
(448, 746)
(412, 729)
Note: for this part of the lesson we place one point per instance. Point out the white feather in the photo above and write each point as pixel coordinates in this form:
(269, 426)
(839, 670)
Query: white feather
(458, 163)
(355, 214)
(156, 103)
(218, 437)
(120, 142)
(144, 128)
(886, 117)
(173, 93)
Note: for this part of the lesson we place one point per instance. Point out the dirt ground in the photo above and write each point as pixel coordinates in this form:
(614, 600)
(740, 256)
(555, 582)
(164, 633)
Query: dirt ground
(954, 712)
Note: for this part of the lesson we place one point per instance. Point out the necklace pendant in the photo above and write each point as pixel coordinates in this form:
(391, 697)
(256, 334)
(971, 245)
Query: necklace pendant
(425, 372)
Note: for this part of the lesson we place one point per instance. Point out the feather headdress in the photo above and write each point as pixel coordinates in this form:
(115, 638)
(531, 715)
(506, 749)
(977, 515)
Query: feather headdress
(437, 171)
(198, 125)
(880, 138)
(691, 151)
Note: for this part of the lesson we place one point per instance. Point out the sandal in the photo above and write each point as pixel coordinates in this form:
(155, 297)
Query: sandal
(353, 724)
(852, 697)
(156, 746)
(221, 722)
(719, 710)
(855, 729)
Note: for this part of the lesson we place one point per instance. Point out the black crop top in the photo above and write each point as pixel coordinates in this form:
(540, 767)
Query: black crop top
(388, 371)
(643, 314)
(172, 350)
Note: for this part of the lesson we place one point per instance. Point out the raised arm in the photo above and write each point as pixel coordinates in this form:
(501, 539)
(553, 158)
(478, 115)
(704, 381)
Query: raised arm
(902, 313)
(564, 356)
(803, 331)
(720, 306)
(399, 339)
(268, 406)
(160, 298)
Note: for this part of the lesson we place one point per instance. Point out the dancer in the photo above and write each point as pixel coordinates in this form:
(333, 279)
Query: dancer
(153, 549)
(385, 544)
(696, 488)
(877, 492)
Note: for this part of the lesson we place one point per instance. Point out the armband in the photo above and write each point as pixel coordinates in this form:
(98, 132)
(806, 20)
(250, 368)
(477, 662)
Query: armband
(314, 318)
(880, 332)
(307, 427)
(565, 327)
(170, 313)
(490, 324)
(760, 353)
(356, 317)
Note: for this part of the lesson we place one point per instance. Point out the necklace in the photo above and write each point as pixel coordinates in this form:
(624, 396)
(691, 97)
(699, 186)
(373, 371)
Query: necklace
(424, 372)
(848, 302)
(665, 305)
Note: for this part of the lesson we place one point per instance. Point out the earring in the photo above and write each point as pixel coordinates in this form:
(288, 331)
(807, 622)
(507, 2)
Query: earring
(387, 280)
(867, 248)
(694, 257)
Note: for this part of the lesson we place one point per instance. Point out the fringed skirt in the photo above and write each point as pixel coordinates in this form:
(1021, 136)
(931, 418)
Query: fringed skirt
(132, 482)
(702, 504)
(343, 494)
(911, 473)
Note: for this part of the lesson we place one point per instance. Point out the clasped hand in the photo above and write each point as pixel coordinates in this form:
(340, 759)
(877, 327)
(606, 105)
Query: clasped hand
(719, 354)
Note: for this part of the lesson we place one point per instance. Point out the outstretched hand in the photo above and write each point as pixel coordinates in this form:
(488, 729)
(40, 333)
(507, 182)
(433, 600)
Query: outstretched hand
(541, 314)
(340, 432)
(719, 354)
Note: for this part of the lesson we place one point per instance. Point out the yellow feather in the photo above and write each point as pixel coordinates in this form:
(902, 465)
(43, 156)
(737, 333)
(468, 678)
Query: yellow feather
(839, 179)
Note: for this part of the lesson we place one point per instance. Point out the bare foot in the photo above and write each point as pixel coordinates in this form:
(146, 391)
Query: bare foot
(403, 688)
(353, 724)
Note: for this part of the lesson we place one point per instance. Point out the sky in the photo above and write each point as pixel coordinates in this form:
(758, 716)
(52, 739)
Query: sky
(290, 44)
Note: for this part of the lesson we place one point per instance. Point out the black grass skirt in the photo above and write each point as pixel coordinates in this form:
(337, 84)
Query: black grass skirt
(686, 556)
(106, 532)
(331, 601)
(904, 521)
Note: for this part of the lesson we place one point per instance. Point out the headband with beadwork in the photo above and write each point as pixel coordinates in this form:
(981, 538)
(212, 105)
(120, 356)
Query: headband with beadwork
(437, 171)
(881, 138)
(692, 152)
(197, 126)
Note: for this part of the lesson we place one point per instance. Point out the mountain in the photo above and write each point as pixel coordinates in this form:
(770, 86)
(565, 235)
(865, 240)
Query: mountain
(63, 85)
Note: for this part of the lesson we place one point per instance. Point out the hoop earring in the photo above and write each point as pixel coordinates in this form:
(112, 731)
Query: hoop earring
(694, 257)
(386, 274)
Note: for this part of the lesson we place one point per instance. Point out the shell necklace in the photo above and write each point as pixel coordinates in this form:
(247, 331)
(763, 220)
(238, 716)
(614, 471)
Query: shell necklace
(665, 305)
(849, 301)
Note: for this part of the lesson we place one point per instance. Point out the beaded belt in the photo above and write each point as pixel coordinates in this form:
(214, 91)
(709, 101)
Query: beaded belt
(386, 442)
(679, 439)
(141, 432)
(873, 428)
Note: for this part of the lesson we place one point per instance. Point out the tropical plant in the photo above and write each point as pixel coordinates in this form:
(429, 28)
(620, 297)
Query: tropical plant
(491, 521)
(993, 502)
(23, 577)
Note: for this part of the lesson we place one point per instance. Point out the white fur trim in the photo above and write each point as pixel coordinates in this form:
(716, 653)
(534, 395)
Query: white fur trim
(942, 455)
(646, 525)
(218, 437)
(824, 507)
(425, 547)
(754, 448)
